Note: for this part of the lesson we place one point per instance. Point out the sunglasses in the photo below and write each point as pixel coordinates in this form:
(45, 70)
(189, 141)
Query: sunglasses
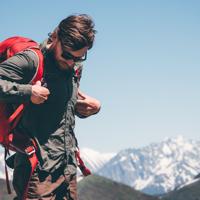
(68, 56)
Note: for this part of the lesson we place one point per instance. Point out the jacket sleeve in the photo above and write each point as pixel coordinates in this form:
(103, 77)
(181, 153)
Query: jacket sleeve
(15, 76)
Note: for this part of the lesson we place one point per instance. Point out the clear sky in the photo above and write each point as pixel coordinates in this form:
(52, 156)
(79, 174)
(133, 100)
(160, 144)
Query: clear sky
(144, 66)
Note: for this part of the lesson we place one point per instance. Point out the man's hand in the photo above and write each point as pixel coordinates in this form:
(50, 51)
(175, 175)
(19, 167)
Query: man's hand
(86, 105)
(39, 93)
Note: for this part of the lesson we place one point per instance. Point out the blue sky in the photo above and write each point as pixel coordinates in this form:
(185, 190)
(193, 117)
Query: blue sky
(144, 66)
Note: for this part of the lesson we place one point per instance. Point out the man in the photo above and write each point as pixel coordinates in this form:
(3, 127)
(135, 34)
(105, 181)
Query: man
(50, 116)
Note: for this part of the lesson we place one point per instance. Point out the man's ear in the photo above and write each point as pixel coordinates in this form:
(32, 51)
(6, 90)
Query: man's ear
(52, 40)
(53, 36)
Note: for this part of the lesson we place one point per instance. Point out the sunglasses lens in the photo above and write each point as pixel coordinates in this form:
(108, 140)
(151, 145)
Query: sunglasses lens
(66, 55)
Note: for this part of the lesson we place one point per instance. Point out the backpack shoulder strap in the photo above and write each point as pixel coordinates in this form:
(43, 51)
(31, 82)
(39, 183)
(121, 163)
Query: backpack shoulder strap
(40, 68)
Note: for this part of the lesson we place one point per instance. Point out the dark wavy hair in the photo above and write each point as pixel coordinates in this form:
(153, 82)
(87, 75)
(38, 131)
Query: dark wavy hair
(77, 32)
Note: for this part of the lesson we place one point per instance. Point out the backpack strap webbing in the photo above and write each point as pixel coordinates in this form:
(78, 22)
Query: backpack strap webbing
(85, 171)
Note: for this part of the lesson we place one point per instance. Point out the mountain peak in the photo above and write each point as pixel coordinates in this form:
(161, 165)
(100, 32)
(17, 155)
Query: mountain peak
(156, 168)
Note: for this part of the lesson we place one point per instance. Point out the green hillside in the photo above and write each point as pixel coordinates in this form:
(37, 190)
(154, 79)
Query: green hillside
(99, 188)
(189, 192)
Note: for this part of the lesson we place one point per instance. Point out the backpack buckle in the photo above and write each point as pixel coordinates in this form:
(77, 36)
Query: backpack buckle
(30, 150)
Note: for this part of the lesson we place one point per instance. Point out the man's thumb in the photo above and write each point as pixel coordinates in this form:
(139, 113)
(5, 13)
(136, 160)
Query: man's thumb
(38, 83)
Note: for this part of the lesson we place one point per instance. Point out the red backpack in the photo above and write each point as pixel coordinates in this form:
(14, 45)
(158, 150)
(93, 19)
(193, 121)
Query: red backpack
(8, 48)
(8, 120)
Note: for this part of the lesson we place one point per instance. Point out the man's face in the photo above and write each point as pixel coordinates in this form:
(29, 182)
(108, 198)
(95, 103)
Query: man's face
(66, 57)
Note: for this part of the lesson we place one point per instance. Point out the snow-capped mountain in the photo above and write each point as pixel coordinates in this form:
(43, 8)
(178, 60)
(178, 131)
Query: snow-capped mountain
(95, 160)
(157, 168)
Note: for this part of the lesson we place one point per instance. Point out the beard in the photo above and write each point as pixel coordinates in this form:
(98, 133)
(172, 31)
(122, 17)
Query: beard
(61, 63)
